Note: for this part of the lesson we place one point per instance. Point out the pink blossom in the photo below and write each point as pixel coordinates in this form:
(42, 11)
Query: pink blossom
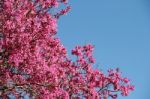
(33, 58)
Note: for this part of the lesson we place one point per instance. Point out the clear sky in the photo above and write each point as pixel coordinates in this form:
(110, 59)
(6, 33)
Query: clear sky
(120, 31)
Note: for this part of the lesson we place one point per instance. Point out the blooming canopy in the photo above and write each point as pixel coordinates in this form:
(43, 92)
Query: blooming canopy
(33, 61)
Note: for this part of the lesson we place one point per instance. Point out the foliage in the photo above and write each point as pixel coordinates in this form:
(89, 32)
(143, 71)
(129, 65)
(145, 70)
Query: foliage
(33, 61)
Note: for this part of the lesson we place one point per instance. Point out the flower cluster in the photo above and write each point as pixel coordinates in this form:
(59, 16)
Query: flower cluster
(33, 61)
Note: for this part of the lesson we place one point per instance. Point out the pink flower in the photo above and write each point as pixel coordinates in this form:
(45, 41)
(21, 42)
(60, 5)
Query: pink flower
(35, 60)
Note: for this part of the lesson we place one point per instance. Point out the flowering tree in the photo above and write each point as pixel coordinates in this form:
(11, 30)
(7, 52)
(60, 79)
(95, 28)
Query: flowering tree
(34, 63)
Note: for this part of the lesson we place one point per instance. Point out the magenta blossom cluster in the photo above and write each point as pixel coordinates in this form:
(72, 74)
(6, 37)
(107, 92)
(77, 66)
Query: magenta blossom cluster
(34, 62)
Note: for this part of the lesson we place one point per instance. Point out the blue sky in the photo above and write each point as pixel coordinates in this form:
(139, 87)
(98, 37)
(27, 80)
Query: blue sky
(120, 31)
